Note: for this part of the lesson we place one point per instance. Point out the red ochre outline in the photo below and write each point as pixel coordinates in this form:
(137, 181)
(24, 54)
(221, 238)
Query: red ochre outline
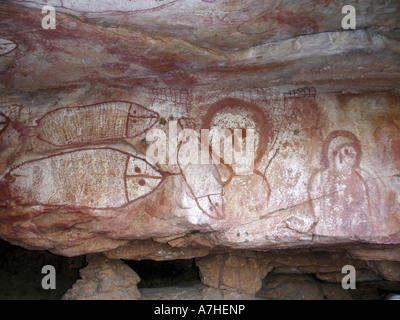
(16, 46)
(162, 178)
(7, 121)
(262, 123)
(355, 142)
(156, 117)
(193, 196)
(114, 12)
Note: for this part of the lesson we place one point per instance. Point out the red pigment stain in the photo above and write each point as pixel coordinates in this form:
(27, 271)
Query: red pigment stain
(292, 19)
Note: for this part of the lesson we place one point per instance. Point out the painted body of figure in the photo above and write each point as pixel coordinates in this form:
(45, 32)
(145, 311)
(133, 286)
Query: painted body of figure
(338, 192)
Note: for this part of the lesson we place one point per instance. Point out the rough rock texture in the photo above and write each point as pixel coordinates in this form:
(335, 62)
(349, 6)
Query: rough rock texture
(389, 270)
(306, 287)
(245, 272)
(196, 292)
(239, 273)
(275, 287)
(85, 107)
(149, 249)
(105, 279)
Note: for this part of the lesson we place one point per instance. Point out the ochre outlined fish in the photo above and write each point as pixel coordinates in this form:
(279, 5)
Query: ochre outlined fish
(6, 46)
(111, 120)
(94, 178)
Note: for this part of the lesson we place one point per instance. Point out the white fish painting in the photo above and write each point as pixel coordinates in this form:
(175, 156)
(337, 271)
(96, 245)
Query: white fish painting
(95, 178)
(111, 120)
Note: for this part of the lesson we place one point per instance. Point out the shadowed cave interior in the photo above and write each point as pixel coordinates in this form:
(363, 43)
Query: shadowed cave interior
(20, 279)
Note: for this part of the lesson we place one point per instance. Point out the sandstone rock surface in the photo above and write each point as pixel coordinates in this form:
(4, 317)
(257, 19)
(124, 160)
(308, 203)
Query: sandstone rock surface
(248, 272)
(104, 279)
(99, 117)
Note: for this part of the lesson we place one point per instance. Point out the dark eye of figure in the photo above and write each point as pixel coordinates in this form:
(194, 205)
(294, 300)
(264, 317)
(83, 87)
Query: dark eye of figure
(137, 170)
(350, 152)
(142, 182)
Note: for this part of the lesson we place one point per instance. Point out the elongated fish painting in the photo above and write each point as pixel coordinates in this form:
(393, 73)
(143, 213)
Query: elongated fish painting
(113, 120)
(95, 178)
(6, 46)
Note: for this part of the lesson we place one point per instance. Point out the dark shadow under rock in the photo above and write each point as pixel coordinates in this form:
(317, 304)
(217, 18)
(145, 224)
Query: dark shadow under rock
(158, 274)
(21, 273)
(308, 287)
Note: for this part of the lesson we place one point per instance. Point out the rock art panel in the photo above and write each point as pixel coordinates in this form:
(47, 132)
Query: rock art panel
(6, 46)
(306, 92)
(297, 121)
(231, 114)
(113, 120)
(252, 94)
(170, 102)
(202, 181)
(171, 94)
(94, 178)
(304, 110)
(339, 192)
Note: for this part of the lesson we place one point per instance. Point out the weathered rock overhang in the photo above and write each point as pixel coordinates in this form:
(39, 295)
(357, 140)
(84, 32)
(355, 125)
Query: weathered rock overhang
(78, 102)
